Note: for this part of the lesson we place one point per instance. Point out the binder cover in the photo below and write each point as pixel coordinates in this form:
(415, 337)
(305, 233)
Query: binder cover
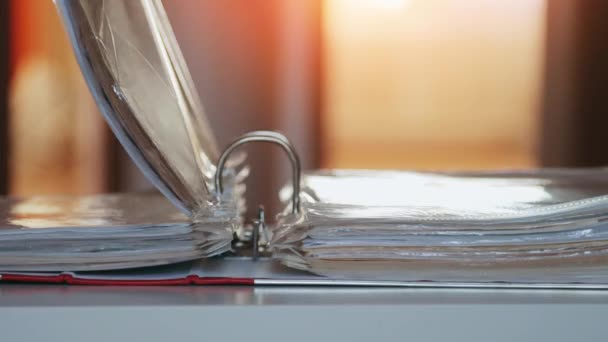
(246, 272)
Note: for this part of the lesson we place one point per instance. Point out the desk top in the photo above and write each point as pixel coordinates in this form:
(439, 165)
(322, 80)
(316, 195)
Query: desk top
(78, 313)
(22, 296)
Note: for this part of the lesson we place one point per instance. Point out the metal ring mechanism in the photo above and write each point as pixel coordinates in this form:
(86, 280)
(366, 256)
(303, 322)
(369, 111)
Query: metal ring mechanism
(268, 137)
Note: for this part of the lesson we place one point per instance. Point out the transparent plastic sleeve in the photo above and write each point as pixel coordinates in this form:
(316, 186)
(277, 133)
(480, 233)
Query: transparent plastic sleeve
(134, 68)
(451, 227)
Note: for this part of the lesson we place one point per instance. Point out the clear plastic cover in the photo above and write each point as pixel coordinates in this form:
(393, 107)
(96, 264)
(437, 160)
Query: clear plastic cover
(527, 226)
(132, 63)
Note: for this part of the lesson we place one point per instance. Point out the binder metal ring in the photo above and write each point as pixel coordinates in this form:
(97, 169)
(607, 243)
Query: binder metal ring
(269, 137)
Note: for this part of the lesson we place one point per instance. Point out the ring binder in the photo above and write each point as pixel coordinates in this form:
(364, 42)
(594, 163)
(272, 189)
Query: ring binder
(542, 228)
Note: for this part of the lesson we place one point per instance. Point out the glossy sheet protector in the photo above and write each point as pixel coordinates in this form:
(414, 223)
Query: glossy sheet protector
(135, 70)
(56, 233)
(535, 226)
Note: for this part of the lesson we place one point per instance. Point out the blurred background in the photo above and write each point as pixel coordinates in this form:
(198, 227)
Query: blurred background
(399, 84)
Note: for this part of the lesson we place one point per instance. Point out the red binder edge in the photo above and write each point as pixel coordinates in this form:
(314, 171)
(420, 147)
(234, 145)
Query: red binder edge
(71, 280)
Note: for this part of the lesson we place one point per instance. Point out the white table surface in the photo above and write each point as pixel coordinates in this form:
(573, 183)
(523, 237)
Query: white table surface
(79, 313)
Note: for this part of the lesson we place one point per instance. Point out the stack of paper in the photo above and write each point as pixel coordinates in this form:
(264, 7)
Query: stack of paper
(104, 232)
(537, 226)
